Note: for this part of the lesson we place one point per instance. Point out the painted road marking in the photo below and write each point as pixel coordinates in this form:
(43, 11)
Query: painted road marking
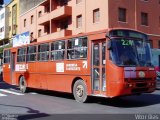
(33, 93)
(2, 95)
(11, 92)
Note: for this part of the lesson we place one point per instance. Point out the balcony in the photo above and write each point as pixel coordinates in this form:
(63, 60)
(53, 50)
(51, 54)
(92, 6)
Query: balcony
(43, 38)
(61, 34)
(61, 12)
(44, 19)
(55, 35)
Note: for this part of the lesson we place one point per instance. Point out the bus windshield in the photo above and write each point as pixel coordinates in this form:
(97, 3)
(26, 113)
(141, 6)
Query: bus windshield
(130, 52)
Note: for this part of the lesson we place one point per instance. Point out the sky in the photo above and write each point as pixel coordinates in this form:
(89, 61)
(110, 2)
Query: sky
(6, 1)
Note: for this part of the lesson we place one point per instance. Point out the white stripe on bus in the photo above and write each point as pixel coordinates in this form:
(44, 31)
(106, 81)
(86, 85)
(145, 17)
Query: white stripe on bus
(11, 92)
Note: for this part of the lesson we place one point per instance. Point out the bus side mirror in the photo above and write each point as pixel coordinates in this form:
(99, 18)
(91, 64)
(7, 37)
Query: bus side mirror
(109, 45)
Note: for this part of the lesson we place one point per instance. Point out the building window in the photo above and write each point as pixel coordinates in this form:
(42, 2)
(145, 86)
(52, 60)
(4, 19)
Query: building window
(14, 27)
(32, 19)
(2, 29)
(151, 43)
(10, 13)
(39, 13)
(78, 1)
(159, 44)
(144, 18)
(25, 22)
(96, 15)
(9, 28)
(122, 14)
(31, 36)
(39, 32)
(79, 21)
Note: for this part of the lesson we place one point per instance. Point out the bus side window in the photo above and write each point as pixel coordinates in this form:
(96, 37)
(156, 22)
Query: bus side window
(57, 50)
(31, 53)
(43, 52)
(6, 58)
(77, 48)
(69, 49)
(21, 57)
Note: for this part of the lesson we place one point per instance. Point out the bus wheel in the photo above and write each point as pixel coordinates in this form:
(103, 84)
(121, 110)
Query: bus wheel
(22, 85)
(80, 91)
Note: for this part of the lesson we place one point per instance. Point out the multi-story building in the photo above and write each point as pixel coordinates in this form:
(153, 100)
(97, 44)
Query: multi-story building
(13, 16)
(29, 17)
(58, 18)
(3, 26)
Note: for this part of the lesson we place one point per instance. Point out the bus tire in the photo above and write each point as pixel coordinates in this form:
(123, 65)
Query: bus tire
(80, 91)
(23, 85)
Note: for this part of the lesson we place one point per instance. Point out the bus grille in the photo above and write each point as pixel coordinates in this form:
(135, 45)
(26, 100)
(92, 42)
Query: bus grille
(139, 90)
(141, 79)
(141, 84)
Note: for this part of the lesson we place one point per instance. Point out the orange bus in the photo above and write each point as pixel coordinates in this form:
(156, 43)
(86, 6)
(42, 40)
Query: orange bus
(108, 63)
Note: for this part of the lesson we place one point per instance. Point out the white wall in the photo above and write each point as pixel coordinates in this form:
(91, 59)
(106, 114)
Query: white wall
(2, 23)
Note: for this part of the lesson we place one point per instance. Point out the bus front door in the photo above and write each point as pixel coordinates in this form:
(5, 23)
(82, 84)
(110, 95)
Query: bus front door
(98, 67)
(12, 68)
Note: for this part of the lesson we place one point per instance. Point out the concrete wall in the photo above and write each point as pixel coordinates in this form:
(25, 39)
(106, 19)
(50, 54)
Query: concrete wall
(11, 14)
(6, 22)
(34, 27)
(26, 5)
(2, 22)
(134, 9)
(108, 17)
(85, 8)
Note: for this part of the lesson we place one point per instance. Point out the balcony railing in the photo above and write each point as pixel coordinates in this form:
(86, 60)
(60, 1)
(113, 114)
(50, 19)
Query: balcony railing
(43, 19)
(55, 35)
(61, 12)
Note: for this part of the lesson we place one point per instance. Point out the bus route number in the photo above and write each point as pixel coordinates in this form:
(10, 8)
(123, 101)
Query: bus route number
(127, 42)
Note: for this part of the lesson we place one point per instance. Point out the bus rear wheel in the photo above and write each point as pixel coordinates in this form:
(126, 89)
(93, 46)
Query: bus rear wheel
(80, 91)
(23, 85)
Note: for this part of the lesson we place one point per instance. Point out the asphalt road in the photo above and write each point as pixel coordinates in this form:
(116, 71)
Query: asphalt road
(45, 104)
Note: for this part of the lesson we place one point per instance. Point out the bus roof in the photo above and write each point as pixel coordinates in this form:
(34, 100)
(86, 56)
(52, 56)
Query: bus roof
(105, 31)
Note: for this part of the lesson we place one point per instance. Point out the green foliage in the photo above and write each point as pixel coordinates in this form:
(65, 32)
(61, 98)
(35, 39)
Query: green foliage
(2, 48)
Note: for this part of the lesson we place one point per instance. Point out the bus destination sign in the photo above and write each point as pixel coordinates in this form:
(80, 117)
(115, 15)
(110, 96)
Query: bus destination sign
(127, 33)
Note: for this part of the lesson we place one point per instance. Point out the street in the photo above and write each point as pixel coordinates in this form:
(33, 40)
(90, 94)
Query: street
(39, 103)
